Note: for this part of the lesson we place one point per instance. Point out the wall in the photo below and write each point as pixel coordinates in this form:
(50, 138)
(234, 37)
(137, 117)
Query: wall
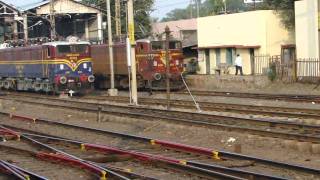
(261, 29)
(307, 36)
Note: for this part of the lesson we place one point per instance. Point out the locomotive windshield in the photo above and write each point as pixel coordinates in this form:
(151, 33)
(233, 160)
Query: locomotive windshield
(78, 48)
(160, 45)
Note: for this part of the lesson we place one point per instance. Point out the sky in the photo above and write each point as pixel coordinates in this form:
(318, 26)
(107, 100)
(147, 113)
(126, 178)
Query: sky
(162, 7)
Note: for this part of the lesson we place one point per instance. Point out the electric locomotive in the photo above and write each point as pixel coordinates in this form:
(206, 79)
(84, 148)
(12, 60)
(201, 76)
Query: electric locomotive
(150, 61)
(51, 67)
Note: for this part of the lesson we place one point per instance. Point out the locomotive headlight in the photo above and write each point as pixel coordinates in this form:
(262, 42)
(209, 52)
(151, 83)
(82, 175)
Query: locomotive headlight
(157, 76)
(85, 65)
(155, 63)
(61, 66)
(177, 62)
(91, 78)
(63, 80)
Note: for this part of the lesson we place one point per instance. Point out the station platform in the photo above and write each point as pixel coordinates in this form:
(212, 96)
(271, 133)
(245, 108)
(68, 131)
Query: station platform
(250, 84)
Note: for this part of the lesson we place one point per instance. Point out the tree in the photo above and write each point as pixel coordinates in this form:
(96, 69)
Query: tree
(285, 9)
(142, 10)
(207, 8)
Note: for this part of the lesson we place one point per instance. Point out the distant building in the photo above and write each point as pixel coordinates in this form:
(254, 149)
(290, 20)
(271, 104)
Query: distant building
(222, 37)
(8, 26)
(72, 17)
(183, 30)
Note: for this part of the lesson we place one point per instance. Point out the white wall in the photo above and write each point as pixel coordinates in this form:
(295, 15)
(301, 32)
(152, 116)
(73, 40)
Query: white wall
(307, 37)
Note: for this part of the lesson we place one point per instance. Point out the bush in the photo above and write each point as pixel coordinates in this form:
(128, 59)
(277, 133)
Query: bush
(272, 72)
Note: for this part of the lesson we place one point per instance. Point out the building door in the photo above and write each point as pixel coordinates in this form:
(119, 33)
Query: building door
(218, 57)
(229, 56)
(207, 53)
(251, 51)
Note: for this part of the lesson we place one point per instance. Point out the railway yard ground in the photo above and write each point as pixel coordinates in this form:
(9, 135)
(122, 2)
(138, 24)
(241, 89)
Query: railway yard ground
(235, 136)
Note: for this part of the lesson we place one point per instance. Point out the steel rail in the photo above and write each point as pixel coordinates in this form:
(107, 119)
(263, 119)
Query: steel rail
(186, 119)
(31, 175)
(221, 107)
(140, 156)
(285, 97)
(16, 173)
(146, 156)
(75, 159)
(187, 148)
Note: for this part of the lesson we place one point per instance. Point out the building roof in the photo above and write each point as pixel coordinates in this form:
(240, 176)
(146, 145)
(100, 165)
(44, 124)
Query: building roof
(12, 7)
(23, 5)
(175, 26)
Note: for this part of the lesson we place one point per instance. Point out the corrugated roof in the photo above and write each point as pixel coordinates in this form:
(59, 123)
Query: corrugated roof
(24, 5)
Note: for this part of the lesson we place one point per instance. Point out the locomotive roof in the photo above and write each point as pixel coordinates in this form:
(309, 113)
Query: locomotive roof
(57, 43)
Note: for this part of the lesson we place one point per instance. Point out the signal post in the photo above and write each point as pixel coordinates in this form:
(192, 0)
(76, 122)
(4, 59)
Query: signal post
(112, 91)
(134, 88)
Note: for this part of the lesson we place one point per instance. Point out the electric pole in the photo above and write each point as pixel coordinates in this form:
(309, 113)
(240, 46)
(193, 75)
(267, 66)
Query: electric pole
(191, 9)
(118, 18)
(134, 91)
(167, 32)
(112, 91)
(52, 21)
(198, 8)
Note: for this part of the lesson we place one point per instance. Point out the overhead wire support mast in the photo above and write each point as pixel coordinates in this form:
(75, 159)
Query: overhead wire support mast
(118, 18)
(112, 91)
(167, 32)
(134, 88)
(52, 21)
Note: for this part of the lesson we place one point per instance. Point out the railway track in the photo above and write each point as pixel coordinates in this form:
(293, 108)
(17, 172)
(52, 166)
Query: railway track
(280, 97)
(221, 107)
(195, 160)
(108, 162)
(263, 127)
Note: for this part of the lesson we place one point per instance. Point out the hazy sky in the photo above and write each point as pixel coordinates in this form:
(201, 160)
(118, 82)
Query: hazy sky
(162, 7)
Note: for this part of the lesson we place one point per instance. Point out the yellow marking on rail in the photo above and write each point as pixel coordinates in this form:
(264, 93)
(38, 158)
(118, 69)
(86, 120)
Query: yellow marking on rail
(103, 175)
(153, 142)
(215, 155)
(83, 147)
(183, 162)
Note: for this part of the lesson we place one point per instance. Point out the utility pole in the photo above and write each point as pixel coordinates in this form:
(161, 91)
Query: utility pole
(118, 18)
(25, 29)
(52, 21)
(112, 91)
(167, 32)
(191, 9)
(198, 8)
(134, 88)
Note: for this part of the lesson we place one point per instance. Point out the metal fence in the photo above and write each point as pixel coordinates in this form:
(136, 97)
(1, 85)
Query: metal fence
(261, 64)
(308, 69)
(302, 70)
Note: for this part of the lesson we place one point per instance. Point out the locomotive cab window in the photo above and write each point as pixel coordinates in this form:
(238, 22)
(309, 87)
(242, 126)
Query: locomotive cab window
(79, 48)
(174, 45)
(48, 52)
(157, 45)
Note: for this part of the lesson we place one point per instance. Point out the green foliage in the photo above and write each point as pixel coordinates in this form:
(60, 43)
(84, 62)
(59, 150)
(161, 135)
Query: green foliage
(285, 9)
(142, 10)
(207, 8)
(272, 72)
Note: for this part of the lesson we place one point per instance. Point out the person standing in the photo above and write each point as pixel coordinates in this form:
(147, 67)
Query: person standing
(238, 64)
